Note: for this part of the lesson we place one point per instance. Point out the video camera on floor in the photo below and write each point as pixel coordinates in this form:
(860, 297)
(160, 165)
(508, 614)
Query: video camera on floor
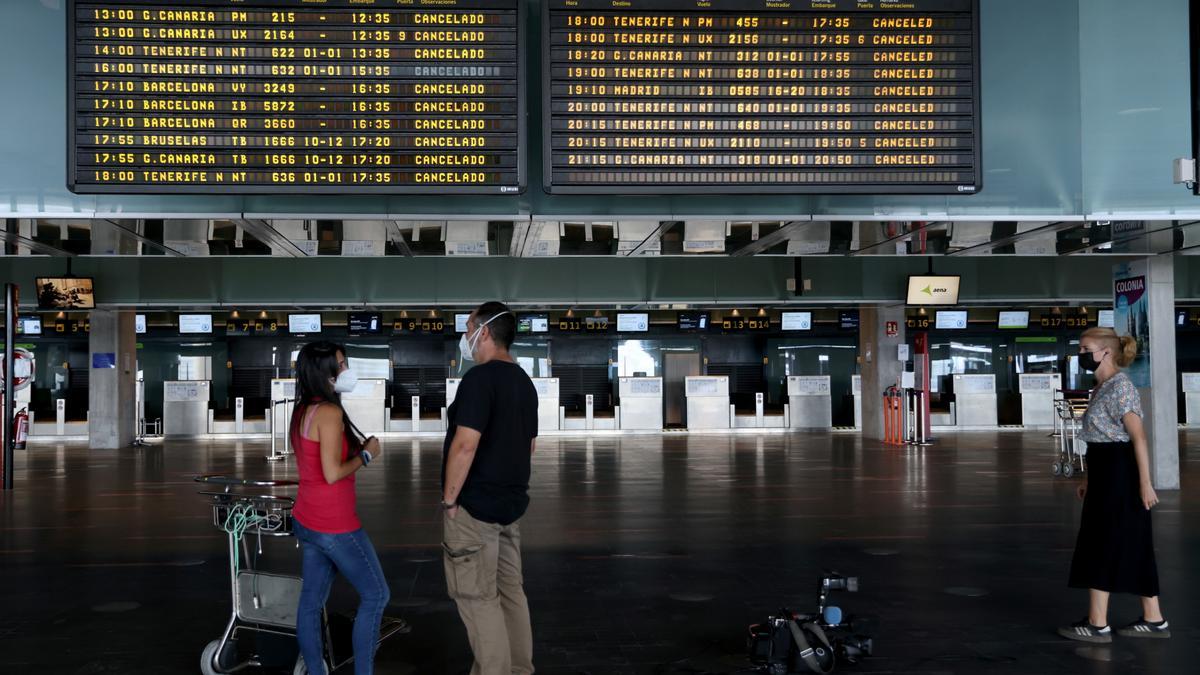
(791, 642)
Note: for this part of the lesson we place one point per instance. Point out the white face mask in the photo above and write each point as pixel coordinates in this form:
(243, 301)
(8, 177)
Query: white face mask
(467, 346)
(346, 381)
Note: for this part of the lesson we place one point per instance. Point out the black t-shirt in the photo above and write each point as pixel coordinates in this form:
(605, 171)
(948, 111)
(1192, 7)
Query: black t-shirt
(498, 400)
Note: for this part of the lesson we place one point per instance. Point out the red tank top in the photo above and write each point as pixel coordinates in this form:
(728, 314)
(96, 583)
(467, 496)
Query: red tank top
(322, 507)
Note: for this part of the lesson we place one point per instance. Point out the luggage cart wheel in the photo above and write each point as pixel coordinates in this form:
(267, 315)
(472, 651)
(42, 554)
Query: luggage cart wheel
(1056, 468)
(1068, 471)
(226, 661)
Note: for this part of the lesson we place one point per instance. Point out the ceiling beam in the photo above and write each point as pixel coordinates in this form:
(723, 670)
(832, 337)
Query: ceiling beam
(899, 238)
(664, 226)
(1129, 239)
(267, 234)
(771, 240)
(146, 241)
(987, 247)
(398, 239)
(34, 246)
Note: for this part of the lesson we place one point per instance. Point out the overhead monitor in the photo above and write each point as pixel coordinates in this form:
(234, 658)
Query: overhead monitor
(733, 96)
(299, 96)
(933, 290)
(848, 319)
(363, 323)
(304, 324)
(66, 293)
(29, 325)
(951, 320)
(1104, 318)
(691, 321)
(797, 321)
(1181, 317)
(1013, 319)
(533, 323)
(460, 322)
(139, 324)
(633, 323)
(195, 324)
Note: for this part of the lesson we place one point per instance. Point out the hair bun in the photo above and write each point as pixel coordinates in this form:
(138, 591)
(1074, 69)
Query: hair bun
(1129, 349)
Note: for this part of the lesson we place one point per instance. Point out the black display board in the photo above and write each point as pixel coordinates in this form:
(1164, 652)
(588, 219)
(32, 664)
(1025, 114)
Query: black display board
(276, 96)
(792, 96)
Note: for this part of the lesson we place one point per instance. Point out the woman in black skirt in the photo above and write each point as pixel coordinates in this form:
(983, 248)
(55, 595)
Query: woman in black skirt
(1115, 549)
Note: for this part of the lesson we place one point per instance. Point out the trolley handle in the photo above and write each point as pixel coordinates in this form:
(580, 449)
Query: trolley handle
(274, 501)
(229, 481)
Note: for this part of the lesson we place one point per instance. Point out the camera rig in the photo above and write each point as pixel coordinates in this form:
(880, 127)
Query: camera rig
(791, 642)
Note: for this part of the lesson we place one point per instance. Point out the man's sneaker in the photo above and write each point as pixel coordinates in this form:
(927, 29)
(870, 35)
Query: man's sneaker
(1146, 629)
(1086, 632)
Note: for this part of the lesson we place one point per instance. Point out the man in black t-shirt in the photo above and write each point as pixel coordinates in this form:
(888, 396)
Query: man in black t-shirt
(485, 491)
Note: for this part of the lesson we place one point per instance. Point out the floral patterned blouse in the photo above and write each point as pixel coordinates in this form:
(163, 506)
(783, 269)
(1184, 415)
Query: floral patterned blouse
(1102, 423)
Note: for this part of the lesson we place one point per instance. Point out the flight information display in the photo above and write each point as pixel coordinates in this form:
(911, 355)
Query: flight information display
(818, 96)
(272, 96)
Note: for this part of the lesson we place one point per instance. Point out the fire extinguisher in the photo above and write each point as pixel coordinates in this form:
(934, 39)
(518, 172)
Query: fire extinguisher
(21, 429)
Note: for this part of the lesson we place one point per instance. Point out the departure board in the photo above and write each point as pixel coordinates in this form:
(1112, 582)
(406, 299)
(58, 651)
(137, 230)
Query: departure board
(277, 96)
(788, 96)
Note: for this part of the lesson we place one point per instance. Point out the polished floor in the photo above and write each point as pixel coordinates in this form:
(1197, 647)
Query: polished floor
(643, 554)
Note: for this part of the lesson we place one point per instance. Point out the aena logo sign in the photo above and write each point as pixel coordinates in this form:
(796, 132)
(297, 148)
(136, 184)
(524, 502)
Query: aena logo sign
(932, 291)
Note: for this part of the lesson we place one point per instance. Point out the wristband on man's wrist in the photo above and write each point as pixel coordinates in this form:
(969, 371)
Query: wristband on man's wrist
(446, 506)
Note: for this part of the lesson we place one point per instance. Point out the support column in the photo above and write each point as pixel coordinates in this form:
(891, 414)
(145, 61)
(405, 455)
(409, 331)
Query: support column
(112, 409)
(1160, 402)
(880, 365)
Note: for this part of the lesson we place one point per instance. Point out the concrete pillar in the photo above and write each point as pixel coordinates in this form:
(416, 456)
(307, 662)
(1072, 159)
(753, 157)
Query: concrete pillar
(112, 408)
(1160, 402)
(880, 364)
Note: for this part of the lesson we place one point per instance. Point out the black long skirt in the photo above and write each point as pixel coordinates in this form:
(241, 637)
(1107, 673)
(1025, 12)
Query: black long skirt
(1115, 548)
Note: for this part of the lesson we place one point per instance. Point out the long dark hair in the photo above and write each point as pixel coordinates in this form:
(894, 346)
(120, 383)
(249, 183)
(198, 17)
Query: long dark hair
(316, 368)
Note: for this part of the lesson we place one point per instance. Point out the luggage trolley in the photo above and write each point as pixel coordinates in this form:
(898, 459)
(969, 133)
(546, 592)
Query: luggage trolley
(1070, 457)
(263, 603)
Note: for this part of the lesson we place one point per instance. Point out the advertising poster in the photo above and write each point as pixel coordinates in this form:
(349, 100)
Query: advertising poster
(1131, 315)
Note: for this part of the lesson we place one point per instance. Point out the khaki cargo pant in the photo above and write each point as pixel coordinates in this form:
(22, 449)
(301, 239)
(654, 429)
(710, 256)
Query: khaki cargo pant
(483, 576)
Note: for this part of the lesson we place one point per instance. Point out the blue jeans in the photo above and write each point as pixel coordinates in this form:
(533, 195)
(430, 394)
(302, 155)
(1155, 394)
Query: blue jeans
(352, 554)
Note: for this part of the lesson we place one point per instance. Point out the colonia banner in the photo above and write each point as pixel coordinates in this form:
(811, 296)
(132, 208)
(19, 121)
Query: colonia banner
(1131, 315)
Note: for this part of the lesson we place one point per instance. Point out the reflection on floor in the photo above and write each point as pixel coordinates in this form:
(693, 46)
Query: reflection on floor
(644, 554)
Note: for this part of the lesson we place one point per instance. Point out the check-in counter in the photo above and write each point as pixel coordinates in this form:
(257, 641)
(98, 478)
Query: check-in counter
(366, 406)
(185, 407)
(856, 391)
(809, 402)
(641, 406)
(547, 393)
(708, 403)
(1038, 391)
(975, 400)
(1191, 397)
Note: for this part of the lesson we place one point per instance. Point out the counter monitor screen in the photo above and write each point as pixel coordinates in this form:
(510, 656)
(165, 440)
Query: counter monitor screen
(753, 96)
(933, 290)
(689, 321)
(1009, 320)
(274, 96)
(195, 324)
(304, 324)
(29, 325)
(139, 324)
(66, 293)
(533, 323)
(364, 323)
(1104, 318)
(460, 322)
(633, 323)
(797, 321)
(848, 319)
(951, 320)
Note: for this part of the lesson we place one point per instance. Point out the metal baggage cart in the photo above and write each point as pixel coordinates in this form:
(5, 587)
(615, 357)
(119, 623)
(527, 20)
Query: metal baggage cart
(264, 603)
(1070, 457)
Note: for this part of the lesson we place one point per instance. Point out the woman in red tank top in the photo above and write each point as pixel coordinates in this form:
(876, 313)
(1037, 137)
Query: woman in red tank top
(329, 451)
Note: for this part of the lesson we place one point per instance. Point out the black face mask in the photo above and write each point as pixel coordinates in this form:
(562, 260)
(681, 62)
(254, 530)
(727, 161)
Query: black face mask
(1088, 362)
